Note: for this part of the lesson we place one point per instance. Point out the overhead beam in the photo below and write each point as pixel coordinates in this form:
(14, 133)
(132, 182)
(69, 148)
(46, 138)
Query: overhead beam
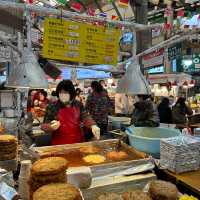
(75, 16)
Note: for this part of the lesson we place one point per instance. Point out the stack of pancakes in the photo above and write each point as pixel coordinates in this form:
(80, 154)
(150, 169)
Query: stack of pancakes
(47, 170)
(163, 190)
(8, 147)
(57, 191)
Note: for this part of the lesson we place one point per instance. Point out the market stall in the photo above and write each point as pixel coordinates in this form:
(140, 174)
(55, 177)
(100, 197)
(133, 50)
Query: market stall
(169, 84)
(107, 169)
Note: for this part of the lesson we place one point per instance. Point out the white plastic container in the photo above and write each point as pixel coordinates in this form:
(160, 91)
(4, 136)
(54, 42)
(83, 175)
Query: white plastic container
(23, 179)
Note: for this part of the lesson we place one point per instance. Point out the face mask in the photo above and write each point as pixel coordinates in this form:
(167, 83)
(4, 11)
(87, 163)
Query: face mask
(64, 97)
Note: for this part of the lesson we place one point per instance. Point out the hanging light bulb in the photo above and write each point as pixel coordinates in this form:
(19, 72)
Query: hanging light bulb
(192, 83)
(185, 85)
(133, 81)
(174, 84)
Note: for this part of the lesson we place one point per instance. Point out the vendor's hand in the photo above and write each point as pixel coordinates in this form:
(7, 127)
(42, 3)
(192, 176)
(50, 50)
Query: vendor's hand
(96, 132)
(55, 125)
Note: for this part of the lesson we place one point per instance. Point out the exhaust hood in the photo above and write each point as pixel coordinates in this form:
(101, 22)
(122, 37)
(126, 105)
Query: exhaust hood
(133, 82)
(28, 74)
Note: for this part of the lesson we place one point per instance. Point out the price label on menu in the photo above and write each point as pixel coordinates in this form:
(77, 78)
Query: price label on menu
(76, 42)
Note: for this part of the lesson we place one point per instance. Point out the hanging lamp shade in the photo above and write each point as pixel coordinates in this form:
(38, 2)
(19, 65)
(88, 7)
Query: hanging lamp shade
(185, 84)
(192, 83)
(133, 81)
(174, 84)
(28, 74)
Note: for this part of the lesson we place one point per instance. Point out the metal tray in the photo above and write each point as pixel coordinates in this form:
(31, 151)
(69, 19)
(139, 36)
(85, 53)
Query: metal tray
(135, 157)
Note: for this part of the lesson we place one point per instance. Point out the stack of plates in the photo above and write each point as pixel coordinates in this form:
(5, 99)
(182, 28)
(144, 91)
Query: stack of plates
(180, 154)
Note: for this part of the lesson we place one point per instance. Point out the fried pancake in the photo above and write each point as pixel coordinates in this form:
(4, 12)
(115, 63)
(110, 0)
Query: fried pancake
(109, 196)
(57, 191)
(49, 166)
(160, 190)
(94, 159)
(61, 177)
(136, 195)
(8, 156)
(89, 150)
(7, 139)
(8, 151)
(115, 155)
(8, 145)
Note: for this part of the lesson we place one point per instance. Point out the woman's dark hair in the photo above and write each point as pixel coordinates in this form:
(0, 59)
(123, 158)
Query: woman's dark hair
(165, 102)
(181, 101)
(53, 93)
(144, 96)
(67, 86)
(101, 81)
(78, 91)
(96, 86)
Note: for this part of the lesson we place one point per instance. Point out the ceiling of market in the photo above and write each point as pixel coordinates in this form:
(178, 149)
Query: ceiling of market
(155, 6)
(156, 9)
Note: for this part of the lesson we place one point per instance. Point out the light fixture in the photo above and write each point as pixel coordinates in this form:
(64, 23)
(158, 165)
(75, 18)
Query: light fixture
(185, 85)
(133, 81)
(28, 74)
(192, 83)
(110, 81)
(174, 84)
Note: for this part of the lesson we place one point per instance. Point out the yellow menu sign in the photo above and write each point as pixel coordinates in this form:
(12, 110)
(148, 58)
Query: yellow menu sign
(77, 42)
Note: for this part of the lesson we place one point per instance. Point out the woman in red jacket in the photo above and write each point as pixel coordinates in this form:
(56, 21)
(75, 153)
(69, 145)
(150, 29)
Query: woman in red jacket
(64, 117)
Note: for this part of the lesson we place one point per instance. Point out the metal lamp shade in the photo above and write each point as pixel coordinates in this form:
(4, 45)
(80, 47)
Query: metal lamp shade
(28, 74)
(133, 82)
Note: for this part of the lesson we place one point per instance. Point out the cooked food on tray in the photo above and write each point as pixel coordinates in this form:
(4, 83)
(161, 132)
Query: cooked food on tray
(94, 159)
(89, 150)
(117, 155)
(110, 196)
(136, 195)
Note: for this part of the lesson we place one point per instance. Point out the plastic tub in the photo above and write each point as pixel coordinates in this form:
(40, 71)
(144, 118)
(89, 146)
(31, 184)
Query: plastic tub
(147, 139)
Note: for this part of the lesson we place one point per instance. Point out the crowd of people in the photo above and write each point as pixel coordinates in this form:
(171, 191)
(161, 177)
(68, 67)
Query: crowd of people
(72, 118)
(147, 113)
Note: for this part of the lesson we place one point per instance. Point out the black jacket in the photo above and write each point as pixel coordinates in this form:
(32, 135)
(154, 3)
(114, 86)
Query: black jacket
(165, 114)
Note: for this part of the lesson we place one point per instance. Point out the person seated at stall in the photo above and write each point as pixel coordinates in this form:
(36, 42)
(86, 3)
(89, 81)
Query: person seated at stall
(145, 113)
(165, 112)
(63, 118)
(180, 111)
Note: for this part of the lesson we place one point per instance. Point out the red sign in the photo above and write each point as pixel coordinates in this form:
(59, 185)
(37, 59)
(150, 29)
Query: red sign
(153, 59)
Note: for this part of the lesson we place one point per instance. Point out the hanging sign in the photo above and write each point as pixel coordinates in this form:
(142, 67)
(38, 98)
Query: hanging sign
(175, 51)
(192, 64)
(78, 42)
(153, 59)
